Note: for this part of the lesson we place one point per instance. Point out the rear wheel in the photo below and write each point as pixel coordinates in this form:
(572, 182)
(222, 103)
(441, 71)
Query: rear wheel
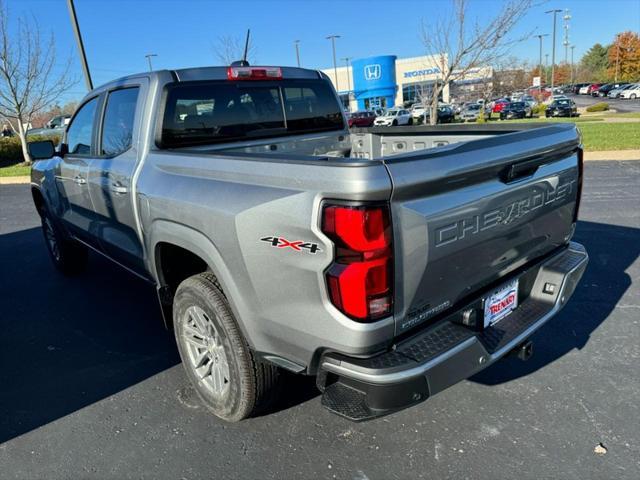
(395, 123)
(632, 96)
(231, 382)
(67, 255)
(410, 122)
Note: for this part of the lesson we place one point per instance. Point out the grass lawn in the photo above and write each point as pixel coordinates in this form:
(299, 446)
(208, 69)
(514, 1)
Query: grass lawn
(610, 136)
(17, 170)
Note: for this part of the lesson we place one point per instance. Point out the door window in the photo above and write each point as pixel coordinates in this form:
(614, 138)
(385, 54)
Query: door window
(80, 132)
(117, 130)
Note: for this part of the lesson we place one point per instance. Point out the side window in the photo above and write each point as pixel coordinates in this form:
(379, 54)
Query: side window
(80, 132)
(117, 129)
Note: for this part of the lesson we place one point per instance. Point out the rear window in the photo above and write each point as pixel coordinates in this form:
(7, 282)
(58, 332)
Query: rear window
(213, 112)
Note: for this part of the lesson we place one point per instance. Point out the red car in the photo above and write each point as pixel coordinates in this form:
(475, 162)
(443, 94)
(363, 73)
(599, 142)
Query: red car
(594, 87)
(498, 105)
(361, 119)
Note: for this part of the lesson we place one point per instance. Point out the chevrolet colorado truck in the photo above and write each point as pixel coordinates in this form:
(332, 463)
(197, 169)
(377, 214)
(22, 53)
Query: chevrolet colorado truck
(390, 263)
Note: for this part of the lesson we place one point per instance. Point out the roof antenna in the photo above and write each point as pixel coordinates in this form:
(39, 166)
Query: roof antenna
(243, 62)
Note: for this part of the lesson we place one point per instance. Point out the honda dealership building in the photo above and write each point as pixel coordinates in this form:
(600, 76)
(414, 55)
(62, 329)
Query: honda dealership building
(385, 81)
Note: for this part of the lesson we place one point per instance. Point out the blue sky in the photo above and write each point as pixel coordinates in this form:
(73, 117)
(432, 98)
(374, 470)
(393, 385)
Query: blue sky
(118, 33)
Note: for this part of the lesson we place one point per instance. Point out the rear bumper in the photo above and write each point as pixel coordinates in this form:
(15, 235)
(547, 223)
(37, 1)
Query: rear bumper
(447, 352)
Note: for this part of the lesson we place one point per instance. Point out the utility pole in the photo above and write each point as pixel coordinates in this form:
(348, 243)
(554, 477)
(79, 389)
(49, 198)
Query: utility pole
(617, 57)
(335, 67)
(83, 56)
(296, 43)
(540, 37)
(149, 55)
(566, 42)
(346, 61)
(546, 68)
(572, 66)
(553, 47)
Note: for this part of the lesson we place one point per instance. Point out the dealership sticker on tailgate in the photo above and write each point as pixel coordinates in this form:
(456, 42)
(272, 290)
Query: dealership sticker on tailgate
(500, 303)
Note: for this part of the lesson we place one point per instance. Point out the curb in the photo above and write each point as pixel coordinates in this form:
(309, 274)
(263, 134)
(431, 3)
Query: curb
(15, 180)
(613, 155)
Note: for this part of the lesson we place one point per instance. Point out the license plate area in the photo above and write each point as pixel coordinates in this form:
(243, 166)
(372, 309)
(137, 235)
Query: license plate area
(500, 303)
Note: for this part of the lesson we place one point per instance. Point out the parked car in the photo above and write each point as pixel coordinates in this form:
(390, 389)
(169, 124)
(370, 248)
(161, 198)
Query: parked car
(515, 110)
(563, 107)
(615, 93)
(575, 88)
(417, 110)
(394, 117)
(342, 261)
(499, 104)
(362, 119)
(604, 90)
(586, 90)
(445, 115)
(632, 91)
(53, 128)
(472, 111)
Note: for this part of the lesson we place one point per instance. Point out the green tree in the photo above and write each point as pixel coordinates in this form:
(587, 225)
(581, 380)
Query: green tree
(596, 62)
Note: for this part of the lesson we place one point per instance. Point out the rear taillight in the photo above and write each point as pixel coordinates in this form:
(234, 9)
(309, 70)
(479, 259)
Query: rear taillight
(579, 187)
(360, 279)
(254, 73)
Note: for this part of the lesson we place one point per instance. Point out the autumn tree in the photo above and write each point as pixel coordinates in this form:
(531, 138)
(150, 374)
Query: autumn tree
(29, 82)
(624, 58)
(461, 44)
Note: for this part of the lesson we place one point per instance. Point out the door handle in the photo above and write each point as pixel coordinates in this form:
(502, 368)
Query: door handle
(118, 188)
(79, 180)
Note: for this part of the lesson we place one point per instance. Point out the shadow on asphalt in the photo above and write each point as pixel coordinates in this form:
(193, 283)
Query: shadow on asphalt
(69, 342)
(612, 249)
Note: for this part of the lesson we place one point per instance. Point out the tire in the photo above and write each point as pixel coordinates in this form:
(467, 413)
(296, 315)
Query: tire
(67, 255)
(632, 96)
(208, 335)
(410, 122)
(394, 123)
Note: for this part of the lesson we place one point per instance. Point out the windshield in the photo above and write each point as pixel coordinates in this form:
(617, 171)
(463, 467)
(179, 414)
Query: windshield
(517, 105)
(198, 113)
(392, 113)
(473, 107)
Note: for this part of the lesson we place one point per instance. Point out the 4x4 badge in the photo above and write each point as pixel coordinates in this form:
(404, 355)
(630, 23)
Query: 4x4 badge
(297, 245)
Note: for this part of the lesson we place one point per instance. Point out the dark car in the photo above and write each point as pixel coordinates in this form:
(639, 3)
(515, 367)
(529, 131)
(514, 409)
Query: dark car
(604, 90)
(561, 108)
(576, 87)
(513, 110)
(445, 115)
(361, 119)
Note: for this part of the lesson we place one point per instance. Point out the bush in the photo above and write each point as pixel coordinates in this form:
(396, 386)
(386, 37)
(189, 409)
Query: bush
(598, 107)
(11, 150)
(539, 108)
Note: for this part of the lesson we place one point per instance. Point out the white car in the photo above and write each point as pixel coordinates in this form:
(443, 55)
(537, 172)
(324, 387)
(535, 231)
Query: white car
(393, 117)
(615, 93)
(584, 90)
(631, 92)
(417, 109)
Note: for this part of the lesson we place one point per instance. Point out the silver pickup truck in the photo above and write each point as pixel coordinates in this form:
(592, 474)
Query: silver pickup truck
(390, 263)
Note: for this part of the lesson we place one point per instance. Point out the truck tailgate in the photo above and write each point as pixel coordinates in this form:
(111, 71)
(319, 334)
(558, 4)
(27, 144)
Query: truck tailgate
(465, 216)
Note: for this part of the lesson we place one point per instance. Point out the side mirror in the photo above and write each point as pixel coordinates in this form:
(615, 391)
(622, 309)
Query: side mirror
(43, 150)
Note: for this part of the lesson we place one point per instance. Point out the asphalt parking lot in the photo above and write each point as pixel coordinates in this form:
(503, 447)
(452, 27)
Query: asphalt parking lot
(91, 385)
(617, 104)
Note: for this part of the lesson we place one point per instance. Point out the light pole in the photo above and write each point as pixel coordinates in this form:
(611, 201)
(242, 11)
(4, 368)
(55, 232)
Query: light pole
(83, 56)
(346, 61)
(553, 47)
(617, 57)
(572, 67)
(297, 45)
(149, 55)
(540, 37)
(335, 67)
(546, 68)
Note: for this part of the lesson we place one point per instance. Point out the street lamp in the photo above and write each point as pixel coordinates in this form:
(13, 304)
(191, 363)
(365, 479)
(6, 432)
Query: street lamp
(149, 55)
(553, 48)
(346, 61)
(546, 68)
(572, 67)
(335, 67)
(297, 45)
(540, 37)
(566, 42)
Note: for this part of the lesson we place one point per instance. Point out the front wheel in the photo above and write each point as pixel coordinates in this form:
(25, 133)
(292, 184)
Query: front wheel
(632, 96)
(67, 255)
(410, 122)
(231, 382)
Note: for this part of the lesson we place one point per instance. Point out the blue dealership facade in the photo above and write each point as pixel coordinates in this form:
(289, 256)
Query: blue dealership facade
(385, 81)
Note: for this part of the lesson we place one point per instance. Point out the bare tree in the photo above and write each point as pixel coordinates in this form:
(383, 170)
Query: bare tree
(461, 45)
(29, 83)
(230, 48)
